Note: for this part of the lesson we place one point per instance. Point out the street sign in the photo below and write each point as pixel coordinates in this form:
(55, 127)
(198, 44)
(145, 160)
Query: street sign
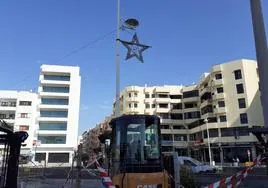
(36, 142)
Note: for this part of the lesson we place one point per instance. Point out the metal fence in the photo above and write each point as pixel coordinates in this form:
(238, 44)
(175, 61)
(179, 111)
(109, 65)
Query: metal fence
(11, 142)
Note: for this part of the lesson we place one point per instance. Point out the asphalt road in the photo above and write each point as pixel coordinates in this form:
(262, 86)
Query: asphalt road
(58, 183)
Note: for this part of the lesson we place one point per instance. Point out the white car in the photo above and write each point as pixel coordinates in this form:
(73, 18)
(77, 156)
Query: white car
(196, 166)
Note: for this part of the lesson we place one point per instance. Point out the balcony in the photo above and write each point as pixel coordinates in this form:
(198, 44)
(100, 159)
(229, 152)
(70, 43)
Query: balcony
(47, 106)
(204, 90)
(9, 121)
(191, 99)
(53, 119)
(218, 82)
(162, 100)
(51, 132)
(54, 82)
(206, 102)
(216, 68)
(176, 110)
(132, 99)
(171, 121)
(207, 115)
(194, 109)
(218, 96)
(187, 121)
(53, 94)
(242, 139)
(161, 90)
(179, 131)
(180, 144)
(162, 110)
(166, 131)
(7, 108)
(220, 110)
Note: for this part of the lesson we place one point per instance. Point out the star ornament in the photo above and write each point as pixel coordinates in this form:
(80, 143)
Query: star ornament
(134, 48)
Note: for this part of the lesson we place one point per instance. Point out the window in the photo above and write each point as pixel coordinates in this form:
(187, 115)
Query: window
(244, 118)
(178, 127)
(221, 104)
(179, 137)
(163, 105)
(13, 104)
(58, 157)
(53, 126)
(52, 139)
(207, 109)
(147, 105)
(57, 77)
(53, 101)
(147, 95)
(190, 105)
(175, 96)
(176, 116)
(162, 96)
(192, 115)
(239, 88)
(40, 157)
(242, 103)
(24, 128)
(53, 113)
(56, 89)
(164, 126)
(164, 115)
(153, 105)
(153, 95)
(3, 116)
(167, 137)
(129, 95)
(220, 90)
(223, 118)
(135, 94)
(135, 105)
(4, 103)
(176, 106)
(225, 132)
(238, 74)
(189, 94)
(24, 115)
(25, 103)
(129, 105)
(218, 76)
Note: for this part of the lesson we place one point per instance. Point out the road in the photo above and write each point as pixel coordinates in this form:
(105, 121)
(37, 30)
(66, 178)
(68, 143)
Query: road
(58, 183)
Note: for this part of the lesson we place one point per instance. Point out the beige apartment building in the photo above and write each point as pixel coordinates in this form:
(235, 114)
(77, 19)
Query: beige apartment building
(226, 100)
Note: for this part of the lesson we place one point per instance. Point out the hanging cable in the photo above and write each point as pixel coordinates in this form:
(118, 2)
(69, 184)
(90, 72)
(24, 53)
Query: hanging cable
(85, 46)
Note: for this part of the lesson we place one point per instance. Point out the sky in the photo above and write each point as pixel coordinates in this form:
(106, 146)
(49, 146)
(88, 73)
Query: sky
(187, 38)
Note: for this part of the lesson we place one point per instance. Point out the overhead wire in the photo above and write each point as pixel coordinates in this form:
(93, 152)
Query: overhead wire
(88, 44)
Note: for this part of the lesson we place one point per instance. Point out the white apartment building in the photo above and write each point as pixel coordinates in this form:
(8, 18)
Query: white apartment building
(58, 113)
(18, 109)
(227, 100)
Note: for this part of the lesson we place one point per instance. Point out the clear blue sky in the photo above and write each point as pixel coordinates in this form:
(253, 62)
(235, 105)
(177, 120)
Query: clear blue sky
(188, 37)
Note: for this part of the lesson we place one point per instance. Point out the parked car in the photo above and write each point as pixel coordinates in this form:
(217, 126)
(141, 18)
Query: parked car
(195, 166)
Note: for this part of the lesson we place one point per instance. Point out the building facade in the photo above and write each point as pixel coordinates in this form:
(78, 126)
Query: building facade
(18, 109)
(58, 113)
(226, 101)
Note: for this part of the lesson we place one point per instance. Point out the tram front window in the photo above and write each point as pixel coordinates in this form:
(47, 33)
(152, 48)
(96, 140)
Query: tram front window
(142, 143)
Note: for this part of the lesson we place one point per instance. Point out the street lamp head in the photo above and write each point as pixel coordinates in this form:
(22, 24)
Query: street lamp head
(131, 23)
(206, 120)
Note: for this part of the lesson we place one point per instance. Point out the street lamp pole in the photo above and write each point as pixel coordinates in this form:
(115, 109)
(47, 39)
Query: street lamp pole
(209, 151)
(261, 53)
(117, 62)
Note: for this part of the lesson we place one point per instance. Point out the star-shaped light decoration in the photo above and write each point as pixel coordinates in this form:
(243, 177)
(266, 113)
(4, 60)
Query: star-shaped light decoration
(134, 48)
